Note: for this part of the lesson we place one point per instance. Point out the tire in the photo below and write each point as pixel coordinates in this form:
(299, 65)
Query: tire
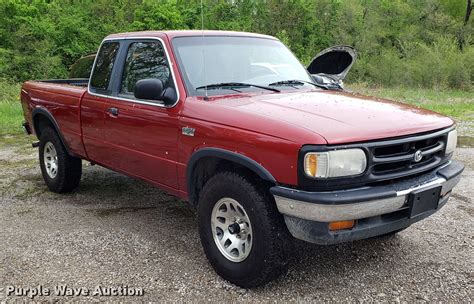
(64, 174)
(270, 246)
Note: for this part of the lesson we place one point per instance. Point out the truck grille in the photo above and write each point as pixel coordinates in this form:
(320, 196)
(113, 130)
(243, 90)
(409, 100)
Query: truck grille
(400, 157)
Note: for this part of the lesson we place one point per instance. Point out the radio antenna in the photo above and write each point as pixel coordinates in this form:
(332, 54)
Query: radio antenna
(202, 50)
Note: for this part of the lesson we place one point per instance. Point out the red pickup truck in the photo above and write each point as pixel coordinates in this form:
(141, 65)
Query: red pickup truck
(263, 147)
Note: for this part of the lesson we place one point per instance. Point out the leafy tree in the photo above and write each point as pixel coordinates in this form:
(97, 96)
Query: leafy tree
(400, 42)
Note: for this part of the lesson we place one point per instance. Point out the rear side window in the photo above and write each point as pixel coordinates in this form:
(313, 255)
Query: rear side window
(144, 60)
(104, 64)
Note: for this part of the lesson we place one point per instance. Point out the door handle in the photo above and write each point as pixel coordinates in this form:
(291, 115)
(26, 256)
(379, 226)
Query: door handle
(113, 111)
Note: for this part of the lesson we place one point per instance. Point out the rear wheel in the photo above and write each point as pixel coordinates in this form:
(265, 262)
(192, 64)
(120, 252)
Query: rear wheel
(61, 171)
(242, 233)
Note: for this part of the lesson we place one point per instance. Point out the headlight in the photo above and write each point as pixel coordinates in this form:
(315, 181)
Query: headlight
(335, 163)
(452, 141)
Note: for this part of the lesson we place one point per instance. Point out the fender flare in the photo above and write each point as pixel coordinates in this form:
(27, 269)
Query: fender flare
(49, 116)
(225, 155)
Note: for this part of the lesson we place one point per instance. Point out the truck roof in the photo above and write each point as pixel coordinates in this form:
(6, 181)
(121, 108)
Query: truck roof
(186, 33)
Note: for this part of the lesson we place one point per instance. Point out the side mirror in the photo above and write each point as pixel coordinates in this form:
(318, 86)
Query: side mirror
(151, 89)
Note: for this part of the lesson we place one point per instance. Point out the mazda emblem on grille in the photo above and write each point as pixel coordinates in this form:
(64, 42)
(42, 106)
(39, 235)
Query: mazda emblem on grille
(418, 156)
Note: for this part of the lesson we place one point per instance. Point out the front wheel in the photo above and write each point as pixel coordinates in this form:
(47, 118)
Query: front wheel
(61, 171)
(242, 232)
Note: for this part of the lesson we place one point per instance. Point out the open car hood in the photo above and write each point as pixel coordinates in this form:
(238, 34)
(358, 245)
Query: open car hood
(330, 66)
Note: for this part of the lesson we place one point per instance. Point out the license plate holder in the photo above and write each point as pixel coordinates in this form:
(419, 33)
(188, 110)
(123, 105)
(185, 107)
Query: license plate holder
(424, 200)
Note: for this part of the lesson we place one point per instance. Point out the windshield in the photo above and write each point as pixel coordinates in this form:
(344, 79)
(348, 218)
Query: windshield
(211, 60)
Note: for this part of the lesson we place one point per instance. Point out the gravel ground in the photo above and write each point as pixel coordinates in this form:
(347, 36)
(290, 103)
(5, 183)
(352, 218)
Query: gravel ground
(115, 231)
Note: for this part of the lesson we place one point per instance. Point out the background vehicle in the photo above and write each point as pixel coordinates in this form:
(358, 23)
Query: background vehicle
(233, 123)
(82, 67)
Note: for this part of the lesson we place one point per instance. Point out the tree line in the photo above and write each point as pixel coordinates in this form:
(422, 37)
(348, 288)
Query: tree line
(425, 43)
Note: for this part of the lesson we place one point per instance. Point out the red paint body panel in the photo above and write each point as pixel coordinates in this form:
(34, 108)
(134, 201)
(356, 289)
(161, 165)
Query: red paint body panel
(146, 142)
(63, 102)
(93, 121)
(143, 140)
(317, 117)
(173, 34)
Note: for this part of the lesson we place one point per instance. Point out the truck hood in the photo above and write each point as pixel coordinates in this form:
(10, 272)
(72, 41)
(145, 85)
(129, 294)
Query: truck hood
(334, 62)
(339, 117)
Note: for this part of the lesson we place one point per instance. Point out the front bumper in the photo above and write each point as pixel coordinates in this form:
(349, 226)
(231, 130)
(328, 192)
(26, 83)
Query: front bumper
(378, 209)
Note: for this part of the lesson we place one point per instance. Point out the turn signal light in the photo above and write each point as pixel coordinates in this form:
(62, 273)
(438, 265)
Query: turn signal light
(311, 164)
(341, 225)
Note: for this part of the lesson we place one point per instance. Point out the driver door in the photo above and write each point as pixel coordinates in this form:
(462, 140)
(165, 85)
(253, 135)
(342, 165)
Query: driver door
(143, 134)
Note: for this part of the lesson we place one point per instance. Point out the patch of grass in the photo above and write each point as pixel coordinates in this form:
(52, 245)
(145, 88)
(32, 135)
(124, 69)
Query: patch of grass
(19, 144)
(11, 114)
(20, 140)
(458, 104)
(21, 163)
(24, 212)
(29, 191)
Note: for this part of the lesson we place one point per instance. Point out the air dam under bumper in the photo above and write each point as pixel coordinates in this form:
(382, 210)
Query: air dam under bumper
(378, 209)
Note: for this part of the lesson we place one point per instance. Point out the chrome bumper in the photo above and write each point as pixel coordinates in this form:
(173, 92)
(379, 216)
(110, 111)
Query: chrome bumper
(392, 198)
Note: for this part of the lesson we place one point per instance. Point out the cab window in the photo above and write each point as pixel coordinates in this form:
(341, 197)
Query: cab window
(101, 75)
(145, 60)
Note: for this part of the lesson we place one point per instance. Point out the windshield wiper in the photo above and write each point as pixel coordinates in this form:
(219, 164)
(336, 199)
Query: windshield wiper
(294, 82)
(235, 84)
(287, 82)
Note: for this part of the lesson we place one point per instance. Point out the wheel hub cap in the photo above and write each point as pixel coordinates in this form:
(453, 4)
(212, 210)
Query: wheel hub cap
(50, 157)
(231, 229)
(234, 228)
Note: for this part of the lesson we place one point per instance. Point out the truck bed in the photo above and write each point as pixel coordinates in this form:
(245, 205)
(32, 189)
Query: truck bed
(61, 98)
(80, 82)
